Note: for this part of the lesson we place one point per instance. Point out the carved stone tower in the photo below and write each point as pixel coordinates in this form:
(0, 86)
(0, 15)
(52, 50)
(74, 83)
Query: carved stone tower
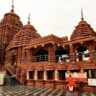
(9, 25)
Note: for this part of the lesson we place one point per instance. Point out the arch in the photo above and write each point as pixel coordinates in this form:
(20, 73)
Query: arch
(62, 55)
(82, 53)
(40, 55)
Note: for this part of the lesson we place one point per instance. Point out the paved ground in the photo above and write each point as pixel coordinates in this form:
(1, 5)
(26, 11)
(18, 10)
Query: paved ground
(30, 91)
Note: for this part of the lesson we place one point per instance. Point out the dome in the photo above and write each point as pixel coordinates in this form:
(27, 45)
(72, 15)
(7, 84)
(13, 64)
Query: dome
(11, 18)
(9, 26)
(22, 38)
(82, 30)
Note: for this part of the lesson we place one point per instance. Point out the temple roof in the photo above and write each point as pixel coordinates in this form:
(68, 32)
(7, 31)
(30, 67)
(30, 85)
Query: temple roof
(11, 18)
(12, 13)
(82, 30)
(9, 26)
(22, 38)
(47, 39)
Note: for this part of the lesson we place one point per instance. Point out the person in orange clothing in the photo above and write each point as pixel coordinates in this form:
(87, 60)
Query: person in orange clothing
(71, 83)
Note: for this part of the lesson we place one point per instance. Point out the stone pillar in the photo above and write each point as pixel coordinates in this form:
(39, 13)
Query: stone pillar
(72, 53)
(23, 56)
(28, 55)
(19, 55)
(56, 75)
(91, 49)
(45, 75)
(51, 53)
(35, 75)
(27, 75)
(18, 72)
(23, 77)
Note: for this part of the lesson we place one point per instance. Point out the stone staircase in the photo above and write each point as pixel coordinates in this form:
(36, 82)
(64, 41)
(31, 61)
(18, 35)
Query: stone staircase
(11, 81)
(11, 70)
(10, 78)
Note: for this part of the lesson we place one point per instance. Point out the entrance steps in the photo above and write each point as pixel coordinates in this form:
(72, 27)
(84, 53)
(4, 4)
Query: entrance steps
(11, 69)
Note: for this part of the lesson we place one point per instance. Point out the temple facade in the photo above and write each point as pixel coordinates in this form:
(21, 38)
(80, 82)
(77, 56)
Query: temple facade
(47, 61)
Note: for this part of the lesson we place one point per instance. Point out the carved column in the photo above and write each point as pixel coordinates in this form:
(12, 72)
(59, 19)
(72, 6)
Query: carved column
(28, 55)
(91, 49)
(27, 75)
(31, 55)
(56, 75)
(45, 75)
(51, 53)
(35, 75)
(23, 55)
(19, 55)
(23, 77)
(72, 53)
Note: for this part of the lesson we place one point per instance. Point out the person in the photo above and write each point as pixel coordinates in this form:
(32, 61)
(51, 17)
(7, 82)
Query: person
(71, 83)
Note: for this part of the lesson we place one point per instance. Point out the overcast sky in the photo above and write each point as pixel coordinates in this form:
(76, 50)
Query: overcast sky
(58, 17)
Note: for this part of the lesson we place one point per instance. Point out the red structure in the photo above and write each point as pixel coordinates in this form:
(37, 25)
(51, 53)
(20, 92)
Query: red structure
(43, 61)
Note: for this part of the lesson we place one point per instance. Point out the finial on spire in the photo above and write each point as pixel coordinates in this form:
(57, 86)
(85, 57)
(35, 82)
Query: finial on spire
(29, 18)
(82, 14)
(12, 10)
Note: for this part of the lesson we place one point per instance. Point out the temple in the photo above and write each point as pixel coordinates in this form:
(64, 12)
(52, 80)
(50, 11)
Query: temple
(46, 61)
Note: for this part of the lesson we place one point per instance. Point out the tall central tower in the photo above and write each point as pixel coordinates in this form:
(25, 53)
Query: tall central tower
(9, 25)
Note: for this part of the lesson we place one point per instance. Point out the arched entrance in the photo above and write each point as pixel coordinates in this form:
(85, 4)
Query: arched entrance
(41, 55)
(62, 55)
(82, 53)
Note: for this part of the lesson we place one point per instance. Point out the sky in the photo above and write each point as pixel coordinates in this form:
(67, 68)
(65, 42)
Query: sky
(58, 17)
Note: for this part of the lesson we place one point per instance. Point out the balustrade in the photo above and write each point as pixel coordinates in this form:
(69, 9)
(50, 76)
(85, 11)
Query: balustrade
(81, 56)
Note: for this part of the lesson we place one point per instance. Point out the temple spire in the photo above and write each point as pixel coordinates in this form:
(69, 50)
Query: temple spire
(82, 14)
(12, 10)
(29, 18)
